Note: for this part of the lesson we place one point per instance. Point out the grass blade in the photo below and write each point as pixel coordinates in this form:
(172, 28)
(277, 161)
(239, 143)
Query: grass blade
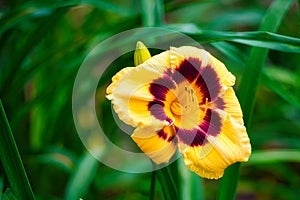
(152, 12)
(281, 91)
(274, 156)
(11, 160)
(167, 184)
(191, 187)
(32, 41)
(8, 195)
(230, 51)
(152, 185)
(34, 9)
(248, 88)
(262, 38)
(82, 177)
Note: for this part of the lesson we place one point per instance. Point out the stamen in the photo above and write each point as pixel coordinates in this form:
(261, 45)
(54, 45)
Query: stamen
(191, 100)
(188, 102)
(206, 104)
(192, 93)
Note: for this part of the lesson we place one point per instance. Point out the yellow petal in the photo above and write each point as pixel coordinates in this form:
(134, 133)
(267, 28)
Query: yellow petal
(210, 160)
(232, 106)
(115, 79)
(129, 91)
(177, 55)
(156, 144)
(141, 53)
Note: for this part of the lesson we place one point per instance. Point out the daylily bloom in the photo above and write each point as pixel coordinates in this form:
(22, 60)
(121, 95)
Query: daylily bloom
(182, 98)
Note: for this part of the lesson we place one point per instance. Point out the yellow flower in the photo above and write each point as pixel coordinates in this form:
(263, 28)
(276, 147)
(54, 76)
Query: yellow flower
(183, 98)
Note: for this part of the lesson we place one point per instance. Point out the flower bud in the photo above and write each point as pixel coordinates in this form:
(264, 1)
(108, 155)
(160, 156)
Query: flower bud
(141, 53)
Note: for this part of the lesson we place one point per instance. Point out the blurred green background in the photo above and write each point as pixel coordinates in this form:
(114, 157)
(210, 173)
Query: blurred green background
(43, 44)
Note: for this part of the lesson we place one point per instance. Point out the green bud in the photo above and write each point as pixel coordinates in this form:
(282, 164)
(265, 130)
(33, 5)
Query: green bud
(141, 53)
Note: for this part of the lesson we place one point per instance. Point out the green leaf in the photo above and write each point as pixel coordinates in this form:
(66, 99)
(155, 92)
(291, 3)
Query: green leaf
(11, 160)
(282, 91)
(34, 9)
(34, 38)
(152, 186)
(274, 156)
(191, 184)
(56, 157)
(82, 177)
(167, 184)
(152, 12)
(261, 38)
(230, 51)
(1, 185)
(8, 195)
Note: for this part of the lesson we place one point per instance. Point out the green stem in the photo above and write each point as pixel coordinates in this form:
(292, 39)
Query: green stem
(174, 171)
(11, 160)
(248, 88)
(167, 183)
(152, 186)
(191, 183)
